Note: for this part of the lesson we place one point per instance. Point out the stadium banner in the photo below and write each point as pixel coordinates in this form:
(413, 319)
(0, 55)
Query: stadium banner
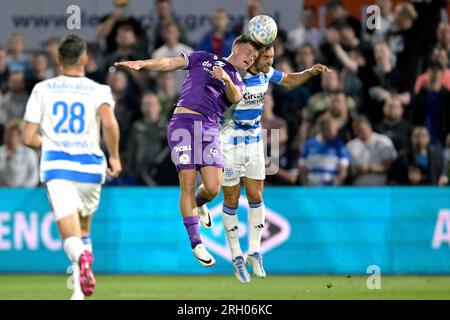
(39, 20)
(308, 231)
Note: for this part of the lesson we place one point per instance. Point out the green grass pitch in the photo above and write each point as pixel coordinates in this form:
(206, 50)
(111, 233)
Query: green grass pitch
(134, 287)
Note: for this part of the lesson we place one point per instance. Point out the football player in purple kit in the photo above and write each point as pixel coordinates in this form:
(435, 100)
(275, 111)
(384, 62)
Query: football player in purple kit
(212, 85)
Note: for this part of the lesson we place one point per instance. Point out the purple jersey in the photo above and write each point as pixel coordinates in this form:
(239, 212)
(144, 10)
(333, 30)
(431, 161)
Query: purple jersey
(200, 91)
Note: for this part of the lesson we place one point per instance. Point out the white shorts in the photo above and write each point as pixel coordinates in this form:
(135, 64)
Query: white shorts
(242, 160)
(67, 197)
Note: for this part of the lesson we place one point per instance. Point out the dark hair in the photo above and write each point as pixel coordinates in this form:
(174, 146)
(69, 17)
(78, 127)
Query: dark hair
(71, 49)
(361, 119)
(434, 65)
(265, 48)
(331, 4)
(246, 39)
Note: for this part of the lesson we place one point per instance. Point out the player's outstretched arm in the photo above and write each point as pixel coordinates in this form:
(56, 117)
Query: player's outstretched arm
(31, 137)
(157, 64)
(233, 92)
(111, 134)
(295, 79)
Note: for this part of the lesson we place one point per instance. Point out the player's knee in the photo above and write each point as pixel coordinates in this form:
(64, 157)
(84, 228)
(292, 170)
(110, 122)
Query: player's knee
(254, 196)
(231, 199)
(212, 189)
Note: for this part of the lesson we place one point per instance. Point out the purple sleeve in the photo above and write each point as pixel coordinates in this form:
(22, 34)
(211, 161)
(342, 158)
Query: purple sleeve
(193, 58)
(237, 80)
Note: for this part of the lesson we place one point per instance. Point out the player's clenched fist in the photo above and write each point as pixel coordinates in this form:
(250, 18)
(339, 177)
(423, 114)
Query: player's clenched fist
(134, 65)
(319, 68)
(220, 74)
(115, 167)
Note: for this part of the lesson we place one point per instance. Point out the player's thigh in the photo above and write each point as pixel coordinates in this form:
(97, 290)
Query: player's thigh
(255, 172)
(63, 197)
(234, 160)
(255, 166)
(89, 194)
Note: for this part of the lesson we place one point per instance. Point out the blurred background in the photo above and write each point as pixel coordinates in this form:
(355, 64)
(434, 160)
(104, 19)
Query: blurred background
(385, 201)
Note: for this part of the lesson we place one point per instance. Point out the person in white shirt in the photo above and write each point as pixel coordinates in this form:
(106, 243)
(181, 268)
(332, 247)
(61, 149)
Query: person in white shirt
(173, 48)
(19, 166)
(306, 32)
(371, 155)
(67, 111)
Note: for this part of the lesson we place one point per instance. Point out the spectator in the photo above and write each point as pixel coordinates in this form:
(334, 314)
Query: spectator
(4, 72)
(283, 169)
(441, 57)
(220, 40)
(339, 112)
(19, 165)
(386, 21)
(164, 15)
(126, 41)
(404, 39)
(254, 8)
(337, 14)
(305, 59)
(446, 154)
(443, 37)
(394, 126)
(306, 32)
(371, 155)
(380, 81)
(343, 48)
(318, 104)
(167, 94)
(422, 164)
(18, 60)
(39, 70)
(269, 121)
(14, 102)
(147, 139)
(51, 46)
(127, 105)
(109, 27)
(286, 102)
(324, 160)
(92, 69)
(173, 48)
(431, 107)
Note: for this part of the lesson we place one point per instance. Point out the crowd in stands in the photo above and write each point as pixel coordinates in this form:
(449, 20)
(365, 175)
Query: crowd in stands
(382, 117)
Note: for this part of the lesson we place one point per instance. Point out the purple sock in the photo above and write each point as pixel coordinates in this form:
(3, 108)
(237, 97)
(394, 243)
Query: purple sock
(200, 200)
(191, 224)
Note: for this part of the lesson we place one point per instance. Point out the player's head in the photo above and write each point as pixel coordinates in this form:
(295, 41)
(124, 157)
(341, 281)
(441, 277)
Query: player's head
(265, 59)
(72, 52)
(245, 52)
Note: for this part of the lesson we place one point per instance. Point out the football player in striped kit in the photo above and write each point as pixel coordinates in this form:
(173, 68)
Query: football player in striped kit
(243, 151)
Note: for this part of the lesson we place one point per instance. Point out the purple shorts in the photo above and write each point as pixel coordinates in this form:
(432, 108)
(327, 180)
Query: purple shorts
(194, 142)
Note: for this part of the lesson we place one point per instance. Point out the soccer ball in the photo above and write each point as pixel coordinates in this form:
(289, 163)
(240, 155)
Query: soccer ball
(262, 29)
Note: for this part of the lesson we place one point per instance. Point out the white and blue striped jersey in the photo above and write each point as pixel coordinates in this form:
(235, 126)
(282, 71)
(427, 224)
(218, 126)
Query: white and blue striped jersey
(322, 160)
(241, 123)
(67, 110)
